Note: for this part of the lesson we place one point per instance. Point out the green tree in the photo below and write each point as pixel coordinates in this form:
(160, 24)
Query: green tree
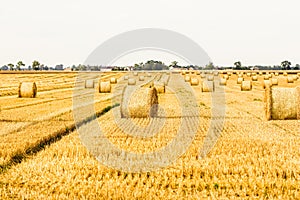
(174, 64)
(19, 65)
(11, 66)
(210, 65)
(286, 64)
(238, 65)
(35, 65)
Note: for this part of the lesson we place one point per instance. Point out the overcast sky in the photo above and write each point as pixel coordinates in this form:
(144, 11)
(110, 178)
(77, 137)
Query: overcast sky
(67, 31)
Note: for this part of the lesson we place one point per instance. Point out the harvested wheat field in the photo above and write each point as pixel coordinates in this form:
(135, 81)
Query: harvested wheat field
(226, 146)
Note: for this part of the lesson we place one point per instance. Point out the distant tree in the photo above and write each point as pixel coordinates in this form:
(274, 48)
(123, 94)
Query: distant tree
(286, 65)
(297, 67)
(11, 66)
(174, 64)
(238, 65)
(210, 65)
(35, 65)
(19, 65)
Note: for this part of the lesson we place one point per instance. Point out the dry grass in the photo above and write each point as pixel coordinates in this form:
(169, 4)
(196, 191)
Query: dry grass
(252, 159)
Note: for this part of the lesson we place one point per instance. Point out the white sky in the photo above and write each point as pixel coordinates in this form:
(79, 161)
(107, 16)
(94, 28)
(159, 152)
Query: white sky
(67, 31)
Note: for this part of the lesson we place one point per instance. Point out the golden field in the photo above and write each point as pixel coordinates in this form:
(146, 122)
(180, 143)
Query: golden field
(42, 156)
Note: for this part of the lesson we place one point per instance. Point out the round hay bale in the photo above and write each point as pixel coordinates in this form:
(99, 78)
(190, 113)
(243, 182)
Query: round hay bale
(285, 73)
(249, 74)
(27, 90)
(289, 79)
(208, 86)
(126, 77)
(113, 80)
(194, 82)
(148, 75)
(282, 103)
(89, 83)
(254, 78)
(266, 77)
(104, 87)
(260, 73)
(197, 72)
(210, 78)
(223, 81)
(202, 75)
(135, 74)
(187, 78)
(141, 78)
(276, 74)
(270, 75)
(253, 74)
(246, 86)
(240, 75)
(274, 81)
(216, 73)
(139, 102)
(160, 87)
(131, 81)
(295, 77)
(298, 74)
(267, 83)
(183, 73)
(226, 77)
(240, 80)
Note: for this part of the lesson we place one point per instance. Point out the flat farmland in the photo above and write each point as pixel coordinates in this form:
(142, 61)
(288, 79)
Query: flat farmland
(42, 156)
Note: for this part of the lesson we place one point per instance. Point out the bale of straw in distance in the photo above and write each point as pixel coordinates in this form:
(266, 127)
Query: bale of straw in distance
(289, 79)
(276, 74)
(139, 102)
(187, 78)
(240, 75)
(194, 82)
(148, 75)
(89, 83)
(216, 73)
(131, 81)
(141, 78)
(113, 80)
(126, 77)
(135, 73)
(197, 72)
(249, 74)
(274, 81)
(210, 78)
(183, 73)
(208, 86)
(246, 86)
(254, 78)
(104, 87)
(27, 90)
(298, 74)
(282, 103)
(267, 83)
(226, 77)
(266, 77)
(295, 77)
(253, 74)
(260, 73)
(223, 81)
(202, 75)
(240, 80)
(270, 75)
(160, 86)
(285, 73)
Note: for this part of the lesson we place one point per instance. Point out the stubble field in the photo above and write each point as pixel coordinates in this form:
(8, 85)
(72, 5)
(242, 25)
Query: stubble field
(42, 156)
